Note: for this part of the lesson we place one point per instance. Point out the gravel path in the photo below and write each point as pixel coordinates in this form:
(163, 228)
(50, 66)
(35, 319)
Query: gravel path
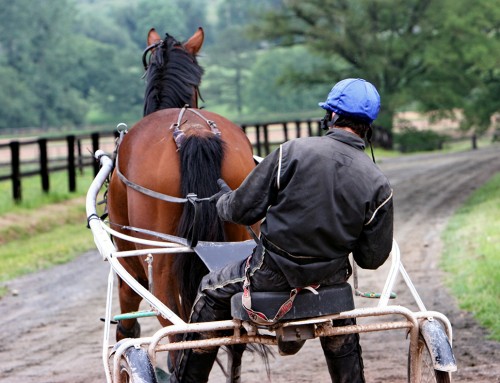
(51, 330)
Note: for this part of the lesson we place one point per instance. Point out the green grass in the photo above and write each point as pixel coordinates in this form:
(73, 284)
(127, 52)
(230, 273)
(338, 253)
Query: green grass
(43, 250)
(39, 232)
(33, 196)
(472, 255)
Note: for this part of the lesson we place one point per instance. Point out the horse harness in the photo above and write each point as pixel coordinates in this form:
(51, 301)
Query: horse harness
(179, 137)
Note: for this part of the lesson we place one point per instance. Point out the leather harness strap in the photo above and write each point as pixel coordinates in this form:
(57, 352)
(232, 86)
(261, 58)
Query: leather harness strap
(259, 317)
(179, 138)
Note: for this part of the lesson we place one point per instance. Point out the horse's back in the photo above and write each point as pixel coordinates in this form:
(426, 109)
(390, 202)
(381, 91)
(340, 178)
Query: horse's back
(149, 157)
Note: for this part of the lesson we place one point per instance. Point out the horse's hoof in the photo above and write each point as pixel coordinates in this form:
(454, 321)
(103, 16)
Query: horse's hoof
(122, 332)
(290, 347)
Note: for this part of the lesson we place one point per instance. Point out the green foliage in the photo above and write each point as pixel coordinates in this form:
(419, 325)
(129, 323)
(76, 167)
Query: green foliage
(438, 53)
(72, 62)
(274, 87)
(472, 255)
(413, 140)
(37, 50)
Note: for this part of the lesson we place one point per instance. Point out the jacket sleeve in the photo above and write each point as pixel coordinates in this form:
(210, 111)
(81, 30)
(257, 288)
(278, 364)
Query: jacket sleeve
(249, 203)
(375, 242)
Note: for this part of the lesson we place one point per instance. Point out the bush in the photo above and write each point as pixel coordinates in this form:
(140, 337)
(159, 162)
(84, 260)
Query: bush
(412, 140)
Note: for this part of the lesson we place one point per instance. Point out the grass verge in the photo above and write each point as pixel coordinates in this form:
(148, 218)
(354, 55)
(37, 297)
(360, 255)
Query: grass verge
(59, 245)
(43, 230)
(472, 255)
(34, 197)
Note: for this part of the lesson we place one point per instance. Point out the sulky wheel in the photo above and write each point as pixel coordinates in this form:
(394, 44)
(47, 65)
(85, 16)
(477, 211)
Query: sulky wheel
(136, 367)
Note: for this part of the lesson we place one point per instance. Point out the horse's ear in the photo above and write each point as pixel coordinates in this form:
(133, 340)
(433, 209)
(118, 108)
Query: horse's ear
(153, 37)
(193, 45)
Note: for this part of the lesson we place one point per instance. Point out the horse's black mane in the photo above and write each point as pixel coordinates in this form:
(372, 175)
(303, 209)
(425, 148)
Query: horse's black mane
(171, 78)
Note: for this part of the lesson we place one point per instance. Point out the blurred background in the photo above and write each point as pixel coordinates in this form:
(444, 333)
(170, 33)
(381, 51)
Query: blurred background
(77, 63)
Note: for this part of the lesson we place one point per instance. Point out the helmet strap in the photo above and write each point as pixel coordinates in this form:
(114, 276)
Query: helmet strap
(369, 134)
(328, 121)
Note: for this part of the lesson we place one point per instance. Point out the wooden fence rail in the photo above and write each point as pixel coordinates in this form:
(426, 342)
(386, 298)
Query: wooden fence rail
(44, 156)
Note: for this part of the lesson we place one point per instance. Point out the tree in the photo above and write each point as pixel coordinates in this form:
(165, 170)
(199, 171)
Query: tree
(397, 45)
(229, 59)
(37, 51)
(269, 90)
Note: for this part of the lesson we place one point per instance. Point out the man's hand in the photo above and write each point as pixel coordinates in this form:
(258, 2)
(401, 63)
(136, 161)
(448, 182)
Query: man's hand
(224, 188)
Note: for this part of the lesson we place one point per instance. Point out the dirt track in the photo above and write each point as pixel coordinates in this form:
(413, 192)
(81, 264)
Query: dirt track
(51, 330)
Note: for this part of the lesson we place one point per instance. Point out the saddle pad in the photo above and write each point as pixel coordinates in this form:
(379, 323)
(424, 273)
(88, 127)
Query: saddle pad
(329, 300)
(216, 255)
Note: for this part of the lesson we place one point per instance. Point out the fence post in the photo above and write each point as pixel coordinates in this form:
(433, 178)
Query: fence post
(285, 131)
(44, 164)
(16, 171)
(319, 129)
(80, 156)
(95, 147)
(309, 128)
(266, 139)
(71, 163)
(257, 140)
(297, 128)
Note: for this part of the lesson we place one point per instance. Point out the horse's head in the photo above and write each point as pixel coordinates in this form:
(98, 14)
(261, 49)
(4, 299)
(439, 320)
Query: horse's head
(172, 72)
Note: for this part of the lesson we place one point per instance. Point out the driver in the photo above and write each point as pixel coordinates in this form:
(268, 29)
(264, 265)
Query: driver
(319, 199)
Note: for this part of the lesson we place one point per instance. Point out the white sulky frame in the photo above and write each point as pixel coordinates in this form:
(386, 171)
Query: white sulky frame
(158, 342)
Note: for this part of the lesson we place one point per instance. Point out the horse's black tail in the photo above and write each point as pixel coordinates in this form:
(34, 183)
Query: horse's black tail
(201, 161)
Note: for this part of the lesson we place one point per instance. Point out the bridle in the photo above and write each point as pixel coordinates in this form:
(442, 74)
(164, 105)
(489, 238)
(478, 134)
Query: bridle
(145, 64)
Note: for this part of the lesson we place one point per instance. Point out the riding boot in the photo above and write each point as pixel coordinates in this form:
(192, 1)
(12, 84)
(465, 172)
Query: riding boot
(343, 356)
(194, 366)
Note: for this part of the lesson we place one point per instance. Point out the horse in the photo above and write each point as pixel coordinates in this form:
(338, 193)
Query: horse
(175, 149)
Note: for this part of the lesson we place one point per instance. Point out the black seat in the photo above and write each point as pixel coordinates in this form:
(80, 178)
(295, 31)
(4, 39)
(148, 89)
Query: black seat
(329, 300)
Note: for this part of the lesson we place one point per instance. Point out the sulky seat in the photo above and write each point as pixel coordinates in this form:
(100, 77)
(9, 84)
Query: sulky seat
(329, 300)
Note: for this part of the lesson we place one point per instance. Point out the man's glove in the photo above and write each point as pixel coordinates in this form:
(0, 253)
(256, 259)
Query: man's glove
(224, 188)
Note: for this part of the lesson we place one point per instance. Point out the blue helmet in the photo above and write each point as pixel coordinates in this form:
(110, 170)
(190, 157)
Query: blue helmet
(353, 97)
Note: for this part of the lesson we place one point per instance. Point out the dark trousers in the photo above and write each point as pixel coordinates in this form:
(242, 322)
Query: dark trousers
(213, 303)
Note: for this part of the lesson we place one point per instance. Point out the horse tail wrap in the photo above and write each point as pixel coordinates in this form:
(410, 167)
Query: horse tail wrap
(201, 161)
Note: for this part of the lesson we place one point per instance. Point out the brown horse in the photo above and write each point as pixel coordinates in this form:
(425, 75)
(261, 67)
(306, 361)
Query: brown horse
(210, 147)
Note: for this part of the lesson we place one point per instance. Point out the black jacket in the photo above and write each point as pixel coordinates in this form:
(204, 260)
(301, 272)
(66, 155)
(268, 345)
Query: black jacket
(322, 198)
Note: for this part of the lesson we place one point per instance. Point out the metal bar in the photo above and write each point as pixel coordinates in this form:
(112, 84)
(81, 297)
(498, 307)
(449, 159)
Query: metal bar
(391, 277)
(412, 288)
(162, 250)
(135, 315)
(107, 325)
(106, 247)
(138, 240)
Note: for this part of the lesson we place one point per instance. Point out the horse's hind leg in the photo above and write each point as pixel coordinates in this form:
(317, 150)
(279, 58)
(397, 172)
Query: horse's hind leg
(129, 302)
(234, 356)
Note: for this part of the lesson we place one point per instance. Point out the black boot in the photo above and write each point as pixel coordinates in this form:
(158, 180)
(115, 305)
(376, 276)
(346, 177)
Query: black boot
(343, 357)
(194, 366)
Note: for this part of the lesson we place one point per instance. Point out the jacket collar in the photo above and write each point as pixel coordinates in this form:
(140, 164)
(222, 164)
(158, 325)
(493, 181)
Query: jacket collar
(347, 138)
